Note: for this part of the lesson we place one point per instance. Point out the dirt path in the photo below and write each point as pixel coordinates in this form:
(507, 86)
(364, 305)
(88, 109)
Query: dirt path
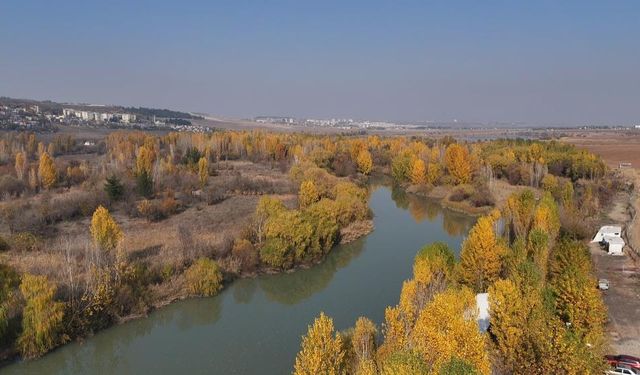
(623, 273)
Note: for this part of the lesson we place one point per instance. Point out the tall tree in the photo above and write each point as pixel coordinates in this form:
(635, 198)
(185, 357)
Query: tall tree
(364, 161)
(321, 351)
(203, 171)
(47, 171)
(458, 163)
(105, 231)
(447, 328)
(418, 172)
(42, 317)
(481, 256)
(20, 165)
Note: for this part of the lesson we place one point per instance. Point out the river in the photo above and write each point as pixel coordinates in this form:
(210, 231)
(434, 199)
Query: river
(254, 326)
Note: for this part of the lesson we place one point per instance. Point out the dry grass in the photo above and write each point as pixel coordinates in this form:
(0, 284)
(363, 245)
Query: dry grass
(209, 229)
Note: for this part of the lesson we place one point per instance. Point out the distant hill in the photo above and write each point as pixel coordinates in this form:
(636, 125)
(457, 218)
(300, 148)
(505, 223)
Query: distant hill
(140, 111)
(163, 113)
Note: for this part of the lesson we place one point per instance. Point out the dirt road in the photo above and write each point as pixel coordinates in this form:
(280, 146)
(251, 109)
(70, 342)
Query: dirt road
(623, 273)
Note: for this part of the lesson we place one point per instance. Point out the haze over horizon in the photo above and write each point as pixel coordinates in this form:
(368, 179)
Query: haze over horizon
(544, 62)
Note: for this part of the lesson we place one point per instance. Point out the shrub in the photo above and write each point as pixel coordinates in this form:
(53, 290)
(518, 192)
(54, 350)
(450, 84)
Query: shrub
(4, 245)
(11, 186)
(25, 241)
(244, 250)
(204, 277)
(461, 193)
(482, 197)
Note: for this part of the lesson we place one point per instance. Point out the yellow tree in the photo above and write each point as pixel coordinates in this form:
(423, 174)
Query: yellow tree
(434, 171)
(458, 163)
(364, 161)
(418, 172)
(20, 165)
(41, 318)
(447, 328)
(509, 323)
(434, 263)
(47, 171)
(321, 351)
(363, 340)
(481, 256)
(105, 231)
(144, 160)
(308, 193)
(203, 171)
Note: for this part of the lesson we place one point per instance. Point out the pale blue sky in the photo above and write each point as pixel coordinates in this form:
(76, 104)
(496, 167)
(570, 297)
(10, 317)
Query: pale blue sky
(539, 62)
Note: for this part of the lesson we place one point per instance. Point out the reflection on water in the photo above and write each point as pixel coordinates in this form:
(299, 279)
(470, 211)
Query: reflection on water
(421, 208)
(254, 325)
(293, 288)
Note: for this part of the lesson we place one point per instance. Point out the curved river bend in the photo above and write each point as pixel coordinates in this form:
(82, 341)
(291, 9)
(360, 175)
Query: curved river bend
(254, 326)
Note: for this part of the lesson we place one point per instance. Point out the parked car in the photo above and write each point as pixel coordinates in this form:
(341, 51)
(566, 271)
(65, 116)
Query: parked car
(622, 371)
(603, 284)
(623, 360)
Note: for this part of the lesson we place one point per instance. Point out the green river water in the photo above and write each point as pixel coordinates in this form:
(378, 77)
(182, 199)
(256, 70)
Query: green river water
(254, 326)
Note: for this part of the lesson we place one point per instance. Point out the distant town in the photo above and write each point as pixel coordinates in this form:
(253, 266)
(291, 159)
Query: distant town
(45, 116)
(22, 114)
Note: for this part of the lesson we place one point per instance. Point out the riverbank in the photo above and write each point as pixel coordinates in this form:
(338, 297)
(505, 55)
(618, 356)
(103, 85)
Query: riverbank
(254, 325)
(500, 191)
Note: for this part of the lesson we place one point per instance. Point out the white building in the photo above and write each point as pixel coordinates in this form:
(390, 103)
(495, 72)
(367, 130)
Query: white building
(607, 230)
(482, 301)
(614, 245)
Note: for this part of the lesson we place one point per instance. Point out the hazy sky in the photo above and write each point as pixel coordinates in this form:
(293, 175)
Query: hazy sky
(535, 61)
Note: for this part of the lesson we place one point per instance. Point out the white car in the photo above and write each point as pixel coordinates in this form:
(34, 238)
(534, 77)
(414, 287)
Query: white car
(603, 284)
(622, 371)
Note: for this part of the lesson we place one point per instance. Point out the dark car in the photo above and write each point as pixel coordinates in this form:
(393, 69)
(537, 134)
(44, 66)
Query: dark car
(623, 360)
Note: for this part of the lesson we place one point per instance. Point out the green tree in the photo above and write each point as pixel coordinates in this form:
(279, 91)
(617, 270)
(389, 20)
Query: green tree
(114, 188)
(144, 183)
(42, 317)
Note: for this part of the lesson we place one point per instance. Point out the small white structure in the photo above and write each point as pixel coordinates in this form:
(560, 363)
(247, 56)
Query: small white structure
(614, 245)
(607, 230)
(482, 301)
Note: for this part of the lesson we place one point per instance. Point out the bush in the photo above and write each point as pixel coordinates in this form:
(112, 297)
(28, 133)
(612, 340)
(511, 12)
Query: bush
(246, 253)
(25, 241)
(4, 245)
(461, 193)
(482, 197)
(11, 186)
(204, 277)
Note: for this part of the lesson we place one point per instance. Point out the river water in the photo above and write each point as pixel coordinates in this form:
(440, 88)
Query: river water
(254, 326)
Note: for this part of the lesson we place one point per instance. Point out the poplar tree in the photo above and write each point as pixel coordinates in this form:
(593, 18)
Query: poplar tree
(42, 317)
(481, 256)
(364, 161)
(105, 231)
(47, 171)
(321, 351)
